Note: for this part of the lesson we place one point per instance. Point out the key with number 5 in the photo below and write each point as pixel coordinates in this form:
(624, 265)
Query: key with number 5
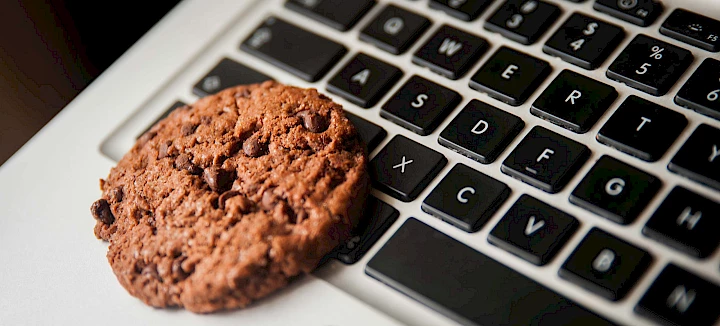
(650, 65)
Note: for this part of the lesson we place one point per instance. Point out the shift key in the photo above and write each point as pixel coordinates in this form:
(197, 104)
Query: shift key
(293, 49)
(466, 285)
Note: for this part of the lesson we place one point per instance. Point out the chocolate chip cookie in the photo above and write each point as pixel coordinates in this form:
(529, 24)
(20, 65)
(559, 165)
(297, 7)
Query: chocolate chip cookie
(226, 200)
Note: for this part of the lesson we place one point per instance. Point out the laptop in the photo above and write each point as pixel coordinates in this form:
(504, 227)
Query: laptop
(547, 162)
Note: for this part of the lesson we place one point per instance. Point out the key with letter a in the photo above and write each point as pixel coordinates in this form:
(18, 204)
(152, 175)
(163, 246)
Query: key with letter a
(364, 80)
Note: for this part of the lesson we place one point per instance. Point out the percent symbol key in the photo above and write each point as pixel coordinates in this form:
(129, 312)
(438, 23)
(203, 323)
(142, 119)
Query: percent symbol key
(650, 65)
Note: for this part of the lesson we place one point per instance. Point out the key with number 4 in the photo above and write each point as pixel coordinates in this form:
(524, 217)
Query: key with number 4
(650, 65)
(584, 41)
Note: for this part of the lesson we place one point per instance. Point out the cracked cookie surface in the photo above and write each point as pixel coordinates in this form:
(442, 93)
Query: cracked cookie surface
(226, 200)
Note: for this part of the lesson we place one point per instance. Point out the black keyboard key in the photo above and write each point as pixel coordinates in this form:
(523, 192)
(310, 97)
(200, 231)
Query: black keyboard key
(364, 80)
(293, 49)
(466, 198)
(523, 21)
(606, 265)
(226, 74)
(533, 230)
(698, 157)
(678, 297)
(420, 105)
(701, 93)
(467, 286)
(545, 160)
(377, 218)
(650, 65)
(638, 12)
(615, 190)
(370, 133)
(177, 104)
(403, 168)
(510, 76)
(481, 132)
(686, 221)
(693, 29)
(450, 52)
(395, 29)
(584, 41)
(642, 129)
(338, 14)
(466, 10)
(574, 101)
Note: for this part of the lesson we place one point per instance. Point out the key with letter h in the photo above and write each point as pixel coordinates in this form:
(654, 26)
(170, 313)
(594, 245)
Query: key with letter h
(687, 222)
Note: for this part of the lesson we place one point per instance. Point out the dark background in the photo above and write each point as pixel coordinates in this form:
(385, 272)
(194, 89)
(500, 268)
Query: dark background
(51, 50)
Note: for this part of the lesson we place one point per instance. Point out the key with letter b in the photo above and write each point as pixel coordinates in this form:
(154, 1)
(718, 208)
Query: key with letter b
(605, 265)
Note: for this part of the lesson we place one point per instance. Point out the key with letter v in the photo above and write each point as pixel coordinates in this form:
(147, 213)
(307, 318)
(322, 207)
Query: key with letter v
(533, 230)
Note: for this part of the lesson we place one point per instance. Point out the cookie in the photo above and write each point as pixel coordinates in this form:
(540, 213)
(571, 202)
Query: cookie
(226, 200)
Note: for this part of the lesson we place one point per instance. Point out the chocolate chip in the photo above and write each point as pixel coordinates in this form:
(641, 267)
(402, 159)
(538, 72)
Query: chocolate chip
(182, 162)
(206, 120)
(151, 271)
(188, 129)
(225, 196)
(323, 97)
(252, 147)
(100, 210)
(244, 93)
(177, 270)
(147, 136)
(269, 200)
(218, 179)
(116, 194)
(312, 121)
(163, 150)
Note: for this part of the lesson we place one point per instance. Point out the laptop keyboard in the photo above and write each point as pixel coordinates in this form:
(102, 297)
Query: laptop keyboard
(450, 276)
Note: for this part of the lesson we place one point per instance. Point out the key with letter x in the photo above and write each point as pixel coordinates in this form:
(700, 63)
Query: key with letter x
(403, 168)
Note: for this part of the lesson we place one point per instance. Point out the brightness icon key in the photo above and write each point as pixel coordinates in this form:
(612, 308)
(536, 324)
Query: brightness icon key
(694, 29)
